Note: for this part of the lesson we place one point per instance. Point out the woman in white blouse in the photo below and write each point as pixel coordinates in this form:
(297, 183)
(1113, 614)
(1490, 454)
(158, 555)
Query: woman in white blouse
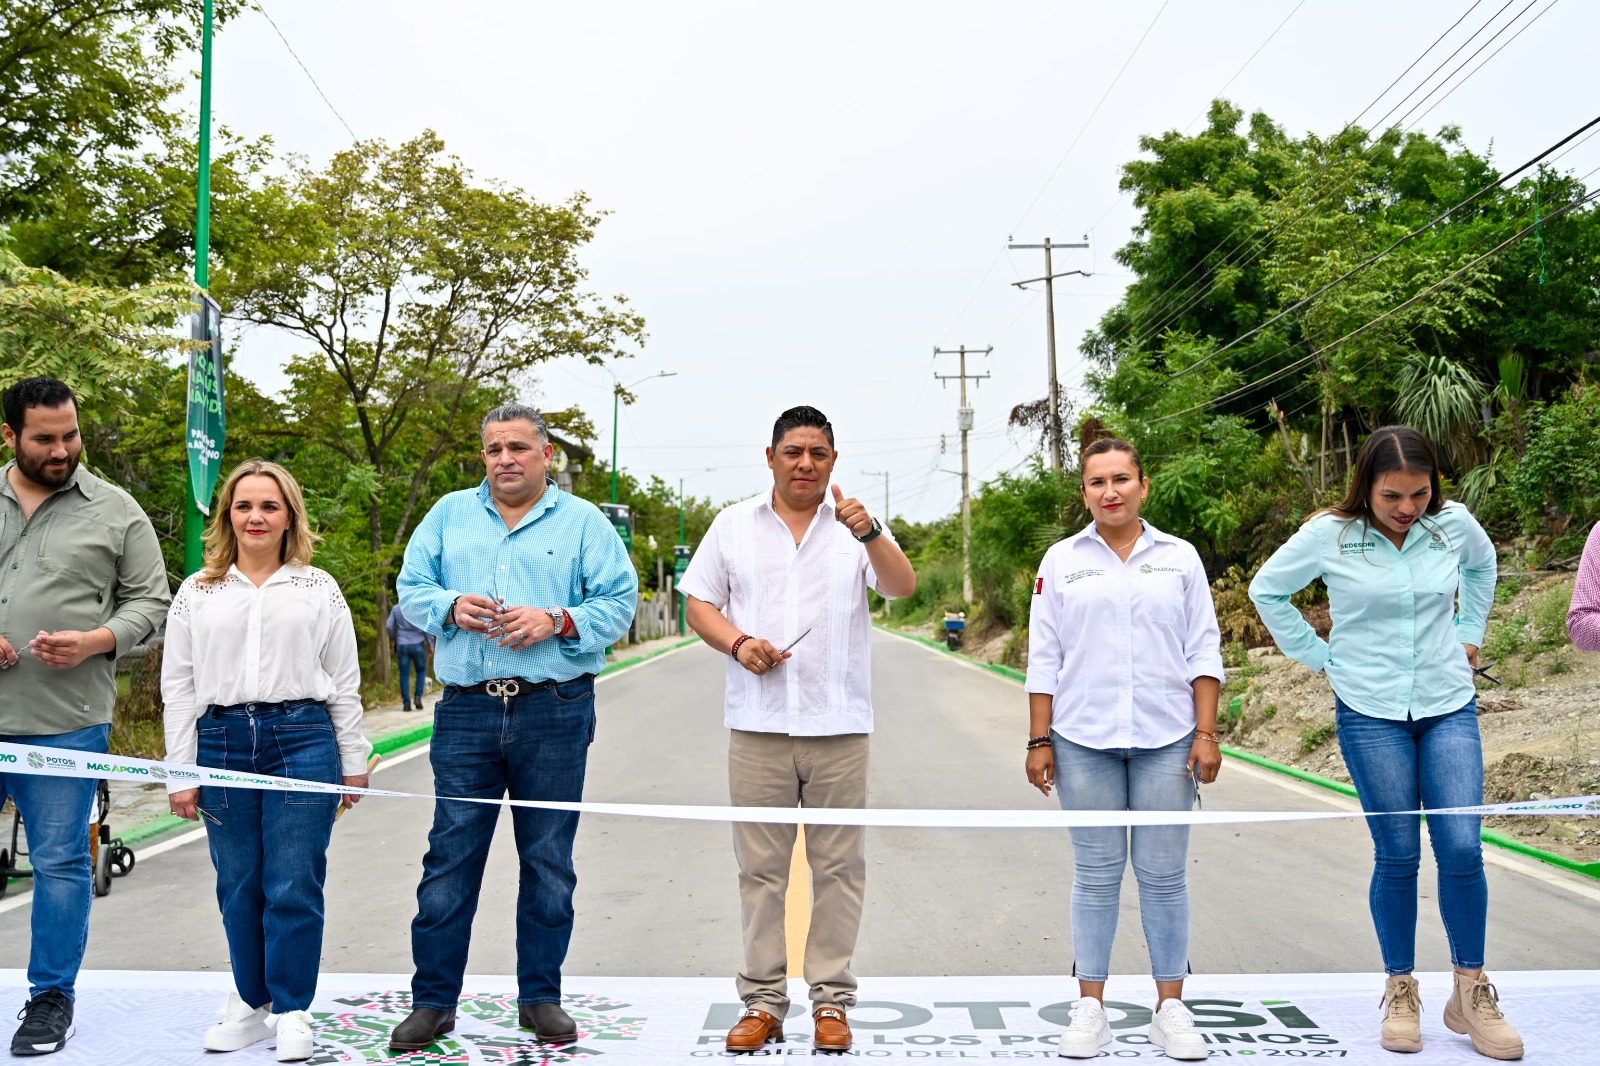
(1124, 669)
(259, 675)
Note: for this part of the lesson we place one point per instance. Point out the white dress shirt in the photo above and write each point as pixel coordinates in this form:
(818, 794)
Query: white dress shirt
(748, 563)
(1119, 645)
(230, 642)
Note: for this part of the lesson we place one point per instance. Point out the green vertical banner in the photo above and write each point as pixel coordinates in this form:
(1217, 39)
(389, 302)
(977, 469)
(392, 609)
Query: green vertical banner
(621, 520)
(207, 422)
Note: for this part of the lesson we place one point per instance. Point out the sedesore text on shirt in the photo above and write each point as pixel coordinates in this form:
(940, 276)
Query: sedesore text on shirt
(1395, 647)
(1118, 645)
(748, 565)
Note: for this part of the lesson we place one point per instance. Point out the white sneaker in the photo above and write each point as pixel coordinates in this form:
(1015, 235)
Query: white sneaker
(1088, 1031)
(294, 1036)
(1172, 1030)
(241, 1026)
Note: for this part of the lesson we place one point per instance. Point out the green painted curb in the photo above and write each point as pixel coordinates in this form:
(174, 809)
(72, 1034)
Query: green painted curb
(1489, 836)
(388, 744)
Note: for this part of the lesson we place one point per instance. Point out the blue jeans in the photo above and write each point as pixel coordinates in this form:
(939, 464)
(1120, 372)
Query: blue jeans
(55, 815)
(1421, 764)
(1128, 779)
(535, 747)
(271, 848)
(412, 657)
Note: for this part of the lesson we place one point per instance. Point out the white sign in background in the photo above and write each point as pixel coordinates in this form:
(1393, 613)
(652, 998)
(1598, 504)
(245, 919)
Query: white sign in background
(158, 1017)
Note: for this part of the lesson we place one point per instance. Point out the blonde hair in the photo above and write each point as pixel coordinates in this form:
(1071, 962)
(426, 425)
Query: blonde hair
(222, 545)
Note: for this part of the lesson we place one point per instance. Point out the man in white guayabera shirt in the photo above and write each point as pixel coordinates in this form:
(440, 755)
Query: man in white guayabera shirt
(792, 567)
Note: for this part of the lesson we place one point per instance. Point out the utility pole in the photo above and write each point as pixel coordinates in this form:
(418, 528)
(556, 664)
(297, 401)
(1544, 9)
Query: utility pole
(1054, 415)
(964, 423)
(885, 475)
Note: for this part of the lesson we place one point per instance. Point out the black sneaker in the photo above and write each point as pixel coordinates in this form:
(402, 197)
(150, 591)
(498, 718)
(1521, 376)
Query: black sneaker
(46, 1024)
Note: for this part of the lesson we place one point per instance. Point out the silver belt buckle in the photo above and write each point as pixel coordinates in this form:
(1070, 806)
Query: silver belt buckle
(503, 689)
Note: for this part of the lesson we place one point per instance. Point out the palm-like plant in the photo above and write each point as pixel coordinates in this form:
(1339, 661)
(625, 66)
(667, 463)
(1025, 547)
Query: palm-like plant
(1440, 398)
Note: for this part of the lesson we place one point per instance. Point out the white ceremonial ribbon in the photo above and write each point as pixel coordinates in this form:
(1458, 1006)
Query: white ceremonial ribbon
(59, 762)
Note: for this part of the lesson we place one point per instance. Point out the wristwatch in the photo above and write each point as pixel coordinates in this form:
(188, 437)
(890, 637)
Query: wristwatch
(877, 527)
(558, 619)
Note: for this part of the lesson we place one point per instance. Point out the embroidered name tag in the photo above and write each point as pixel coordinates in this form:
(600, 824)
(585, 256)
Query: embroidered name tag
(1356, 547)
(1079, 575)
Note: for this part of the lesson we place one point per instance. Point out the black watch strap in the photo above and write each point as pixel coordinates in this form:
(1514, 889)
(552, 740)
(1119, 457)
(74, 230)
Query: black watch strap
(877, 528)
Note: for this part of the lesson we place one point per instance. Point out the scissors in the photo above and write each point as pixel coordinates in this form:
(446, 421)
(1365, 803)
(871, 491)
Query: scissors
(796, 640)
(1483, 672)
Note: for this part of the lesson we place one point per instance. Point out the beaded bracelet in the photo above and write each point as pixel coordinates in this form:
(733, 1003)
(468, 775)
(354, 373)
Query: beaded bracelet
(1039, 742)
(734, 651)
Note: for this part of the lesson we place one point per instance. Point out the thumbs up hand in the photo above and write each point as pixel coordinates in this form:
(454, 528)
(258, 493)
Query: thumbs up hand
(852, 513)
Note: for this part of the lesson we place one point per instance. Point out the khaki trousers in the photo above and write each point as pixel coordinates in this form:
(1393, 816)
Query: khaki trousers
(778, 770)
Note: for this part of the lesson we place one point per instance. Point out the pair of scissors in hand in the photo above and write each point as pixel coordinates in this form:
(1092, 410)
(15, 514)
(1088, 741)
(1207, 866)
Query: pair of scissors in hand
(1483, 672)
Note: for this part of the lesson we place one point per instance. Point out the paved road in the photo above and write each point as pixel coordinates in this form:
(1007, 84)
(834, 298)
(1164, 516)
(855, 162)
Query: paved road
(658, 898)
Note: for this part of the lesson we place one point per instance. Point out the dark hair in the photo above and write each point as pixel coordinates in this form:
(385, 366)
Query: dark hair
(1390, 448)
(1109, 444)
(34, 392)
(795, 417)
(512, 412)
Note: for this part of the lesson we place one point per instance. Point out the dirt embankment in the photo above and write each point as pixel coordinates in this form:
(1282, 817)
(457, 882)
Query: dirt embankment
(1541, 726)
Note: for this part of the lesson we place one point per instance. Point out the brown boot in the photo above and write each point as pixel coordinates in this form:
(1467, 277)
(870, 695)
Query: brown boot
(1474, 1009)
(833, 1032)
(1402, 1014)
(752, 1032)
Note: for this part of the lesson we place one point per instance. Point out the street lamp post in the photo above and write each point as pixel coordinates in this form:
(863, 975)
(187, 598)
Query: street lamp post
(617, 389)
(683, 540)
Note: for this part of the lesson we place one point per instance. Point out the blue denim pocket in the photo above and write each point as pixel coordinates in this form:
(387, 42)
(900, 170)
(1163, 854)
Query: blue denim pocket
(579, 688)
(212, 752)
(310, 753)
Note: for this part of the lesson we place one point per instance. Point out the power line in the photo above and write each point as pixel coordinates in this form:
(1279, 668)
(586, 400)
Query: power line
(306, 71)
(1514, 19)
(1480, 66)
(1085, 127)
(1196, 291)
(1375, 257)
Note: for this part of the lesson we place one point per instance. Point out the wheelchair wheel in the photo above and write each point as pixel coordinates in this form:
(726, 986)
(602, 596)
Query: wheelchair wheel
(100, 851)
(5, 869)
(121, 859)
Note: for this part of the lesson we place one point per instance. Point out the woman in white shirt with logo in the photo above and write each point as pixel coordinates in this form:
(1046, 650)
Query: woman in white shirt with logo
(1124, 669)
(1394, 554)
(259, 675)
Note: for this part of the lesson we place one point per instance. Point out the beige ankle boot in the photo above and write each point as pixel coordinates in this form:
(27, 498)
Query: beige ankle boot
(1402, 1014)
(1474, 1009)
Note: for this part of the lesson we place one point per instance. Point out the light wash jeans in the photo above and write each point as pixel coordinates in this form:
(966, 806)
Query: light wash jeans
(1423, 763)
(1128, 779)
(55, 820)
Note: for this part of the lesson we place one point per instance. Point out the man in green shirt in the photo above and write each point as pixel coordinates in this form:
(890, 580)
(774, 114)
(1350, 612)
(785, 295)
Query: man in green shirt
(81, 582)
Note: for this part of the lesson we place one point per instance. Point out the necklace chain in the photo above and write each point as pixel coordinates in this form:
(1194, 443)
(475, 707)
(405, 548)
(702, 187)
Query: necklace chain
(1118, 547)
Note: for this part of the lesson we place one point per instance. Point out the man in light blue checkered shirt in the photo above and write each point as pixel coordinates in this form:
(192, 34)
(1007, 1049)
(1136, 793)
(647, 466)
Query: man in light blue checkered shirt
(525, 587)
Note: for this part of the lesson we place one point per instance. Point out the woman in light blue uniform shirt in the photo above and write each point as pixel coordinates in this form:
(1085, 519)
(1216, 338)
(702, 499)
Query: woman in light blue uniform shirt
(1400, 657)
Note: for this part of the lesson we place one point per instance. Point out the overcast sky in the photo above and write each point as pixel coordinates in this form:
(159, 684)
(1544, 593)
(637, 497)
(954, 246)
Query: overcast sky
(807, 199)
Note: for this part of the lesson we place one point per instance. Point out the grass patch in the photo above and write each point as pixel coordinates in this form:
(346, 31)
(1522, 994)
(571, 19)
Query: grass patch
(1313, 737)
(139, 738)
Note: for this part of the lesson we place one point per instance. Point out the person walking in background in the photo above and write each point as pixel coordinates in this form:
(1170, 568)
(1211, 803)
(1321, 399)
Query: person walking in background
(81, 582)
(259, 675)
(1394, 554)
(1583, 617)
(411, 647)
(792, 566)
(525, 586)
(1124, 670)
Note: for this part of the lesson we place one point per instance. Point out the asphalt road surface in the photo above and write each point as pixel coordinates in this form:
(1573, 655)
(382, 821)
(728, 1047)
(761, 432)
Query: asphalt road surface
(658, 898)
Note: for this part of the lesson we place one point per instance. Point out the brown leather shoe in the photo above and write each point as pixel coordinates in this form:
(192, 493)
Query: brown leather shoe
(754, 1030)
(833, 1032)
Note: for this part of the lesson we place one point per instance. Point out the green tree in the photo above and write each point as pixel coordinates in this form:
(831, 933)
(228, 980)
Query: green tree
(423, 296)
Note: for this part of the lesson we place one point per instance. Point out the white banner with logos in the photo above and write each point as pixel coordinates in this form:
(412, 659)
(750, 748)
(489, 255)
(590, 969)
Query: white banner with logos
(27, 759)
(158, 1017)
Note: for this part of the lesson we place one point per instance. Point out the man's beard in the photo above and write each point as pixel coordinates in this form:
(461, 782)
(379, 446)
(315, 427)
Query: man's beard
(41, 474)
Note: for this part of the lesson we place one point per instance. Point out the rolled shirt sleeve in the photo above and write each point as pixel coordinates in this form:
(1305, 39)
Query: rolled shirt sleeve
(1296, 564)
(142, 594)
(1479, 571)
